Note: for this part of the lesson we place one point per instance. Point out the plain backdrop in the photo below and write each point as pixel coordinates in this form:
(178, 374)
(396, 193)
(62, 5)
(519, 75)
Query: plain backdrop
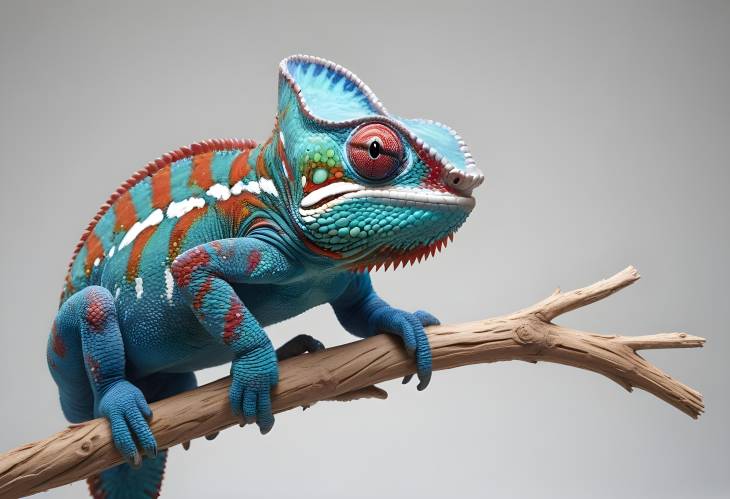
(603, 130)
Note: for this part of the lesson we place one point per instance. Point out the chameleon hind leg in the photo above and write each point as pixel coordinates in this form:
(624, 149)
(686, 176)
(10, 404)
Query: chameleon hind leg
(86, 343)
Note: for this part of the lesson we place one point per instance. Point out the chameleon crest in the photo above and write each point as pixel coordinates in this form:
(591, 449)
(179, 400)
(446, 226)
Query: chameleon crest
(191, 258)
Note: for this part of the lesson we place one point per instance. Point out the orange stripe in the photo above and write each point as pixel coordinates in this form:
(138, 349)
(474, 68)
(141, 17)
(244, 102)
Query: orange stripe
(261, 168)
(251, 199)
(177, 238)
(201, 174)
(283, 158)
(126, 215)
(239, 168)
(94, 250)
(235, 209)
(135, 257)
(161, 194)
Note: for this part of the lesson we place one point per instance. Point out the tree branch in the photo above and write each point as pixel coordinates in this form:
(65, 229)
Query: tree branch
(350, 371)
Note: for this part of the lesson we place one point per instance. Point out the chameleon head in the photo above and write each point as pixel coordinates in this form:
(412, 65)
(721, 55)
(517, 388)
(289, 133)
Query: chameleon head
(367, 187)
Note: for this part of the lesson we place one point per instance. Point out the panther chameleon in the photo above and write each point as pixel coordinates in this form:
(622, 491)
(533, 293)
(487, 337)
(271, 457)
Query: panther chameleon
(192, 257)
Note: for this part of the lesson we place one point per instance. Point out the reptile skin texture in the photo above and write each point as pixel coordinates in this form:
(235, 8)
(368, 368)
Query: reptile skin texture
(190, 259)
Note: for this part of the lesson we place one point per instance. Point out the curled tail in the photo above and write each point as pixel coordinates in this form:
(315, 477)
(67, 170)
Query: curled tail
(125, 482)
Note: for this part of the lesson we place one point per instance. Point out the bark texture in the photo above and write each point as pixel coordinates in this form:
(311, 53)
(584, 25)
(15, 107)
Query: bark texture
(349, 371)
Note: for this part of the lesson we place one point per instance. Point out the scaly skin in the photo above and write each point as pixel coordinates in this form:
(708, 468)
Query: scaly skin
(193, 257)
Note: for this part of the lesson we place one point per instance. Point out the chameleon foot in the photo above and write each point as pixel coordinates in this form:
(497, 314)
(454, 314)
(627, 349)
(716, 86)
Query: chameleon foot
(298, 345)
(127, 411)
(253, 375)
(410, 328)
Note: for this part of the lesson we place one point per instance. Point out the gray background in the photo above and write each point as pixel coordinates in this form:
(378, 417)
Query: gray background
(603, 131)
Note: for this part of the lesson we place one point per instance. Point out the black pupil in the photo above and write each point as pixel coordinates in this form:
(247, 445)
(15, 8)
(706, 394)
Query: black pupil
(374, 149)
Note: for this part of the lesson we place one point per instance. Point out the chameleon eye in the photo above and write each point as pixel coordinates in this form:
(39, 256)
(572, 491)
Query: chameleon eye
(375, 151)
(374, 148)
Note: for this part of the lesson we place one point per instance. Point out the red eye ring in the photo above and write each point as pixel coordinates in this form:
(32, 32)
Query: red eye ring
(375, 151)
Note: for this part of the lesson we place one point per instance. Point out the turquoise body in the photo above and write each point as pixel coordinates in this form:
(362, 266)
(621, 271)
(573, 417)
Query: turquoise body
(196, 254)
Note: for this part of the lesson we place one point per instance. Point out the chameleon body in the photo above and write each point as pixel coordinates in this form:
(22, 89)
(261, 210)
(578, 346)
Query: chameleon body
(197, 253)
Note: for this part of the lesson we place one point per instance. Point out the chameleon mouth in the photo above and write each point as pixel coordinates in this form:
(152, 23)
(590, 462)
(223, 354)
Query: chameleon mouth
(332, 194)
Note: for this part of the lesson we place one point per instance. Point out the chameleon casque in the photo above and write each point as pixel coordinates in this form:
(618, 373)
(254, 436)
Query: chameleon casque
(188, 261)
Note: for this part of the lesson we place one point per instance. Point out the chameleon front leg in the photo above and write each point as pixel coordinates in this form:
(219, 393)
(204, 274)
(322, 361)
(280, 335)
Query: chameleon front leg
(204, 275)
(363, 313)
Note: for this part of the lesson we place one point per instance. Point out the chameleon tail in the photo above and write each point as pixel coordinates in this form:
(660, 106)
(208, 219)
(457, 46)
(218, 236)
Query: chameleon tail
(125, 482)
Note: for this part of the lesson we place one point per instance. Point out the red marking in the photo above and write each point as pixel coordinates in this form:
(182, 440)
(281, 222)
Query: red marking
(59, 347)
(177, 237)
(94, 250)
(200, 295)
(161, 190)
(96, 312)
(201, 174)
(93, 365)
(434, 180)
(239, 168)
(126, 214)
(135, 257)
(254, 258)
(187, 263)
(149, 170)
(233, 319)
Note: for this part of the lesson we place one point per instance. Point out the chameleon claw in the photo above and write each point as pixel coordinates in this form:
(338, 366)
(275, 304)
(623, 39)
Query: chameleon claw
(407, 378)
(211, 436)
(136, 461)
(425, 379)
(186, 445)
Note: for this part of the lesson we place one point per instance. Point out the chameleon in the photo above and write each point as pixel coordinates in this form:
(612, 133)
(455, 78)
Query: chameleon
(191, 259)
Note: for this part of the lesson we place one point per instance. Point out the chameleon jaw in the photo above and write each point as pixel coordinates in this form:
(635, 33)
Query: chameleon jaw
(320, 200)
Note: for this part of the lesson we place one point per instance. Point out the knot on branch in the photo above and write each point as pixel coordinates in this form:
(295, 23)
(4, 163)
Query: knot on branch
(536, 335)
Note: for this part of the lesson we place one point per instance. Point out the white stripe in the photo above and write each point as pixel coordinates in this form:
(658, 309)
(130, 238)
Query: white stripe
(333, 189)
(153, 219)
(268, 186)
(138, 287)
(176, 209)
(239, 187)
(169, 284)
(219, 191)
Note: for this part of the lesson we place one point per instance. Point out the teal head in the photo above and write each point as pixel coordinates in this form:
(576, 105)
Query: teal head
(365, 187)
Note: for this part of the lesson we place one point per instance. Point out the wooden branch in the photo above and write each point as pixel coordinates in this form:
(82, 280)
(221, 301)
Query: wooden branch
(350, 371)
